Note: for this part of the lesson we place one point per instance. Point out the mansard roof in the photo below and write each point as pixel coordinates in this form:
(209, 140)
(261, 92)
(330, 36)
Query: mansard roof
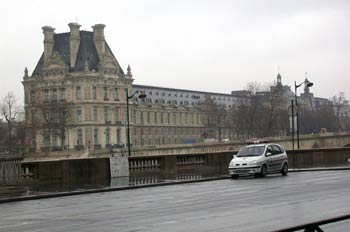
(86, 53)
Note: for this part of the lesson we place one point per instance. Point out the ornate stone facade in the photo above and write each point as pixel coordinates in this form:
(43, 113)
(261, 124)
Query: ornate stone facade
(76, 96)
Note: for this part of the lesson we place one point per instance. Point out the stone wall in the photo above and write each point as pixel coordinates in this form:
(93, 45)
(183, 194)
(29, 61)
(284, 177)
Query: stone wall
(97, 170)
(67, 171)
(319, 157)
(218, 162)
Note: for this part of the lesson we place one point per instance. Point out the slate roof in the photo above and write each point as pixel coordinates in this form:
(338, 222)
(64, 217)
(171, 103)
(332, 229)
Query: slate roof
(86, 52)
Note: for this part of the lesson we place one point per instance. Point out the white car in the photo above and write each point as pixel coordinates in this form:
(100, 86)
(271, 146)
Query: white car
(259, 159)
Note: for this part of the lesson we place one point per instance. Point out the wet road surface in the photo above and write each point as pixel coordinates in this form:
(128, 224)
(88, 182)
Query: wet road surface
(246, 204)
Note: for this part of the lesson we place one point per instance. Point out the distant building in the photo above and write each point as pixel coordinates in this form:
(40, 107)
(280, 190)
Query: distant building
(76, 99)
(282, 90)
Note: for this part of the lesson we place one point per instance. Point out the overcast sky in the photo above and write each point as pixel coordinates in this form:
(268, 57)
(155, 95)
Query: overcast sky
(215, 46)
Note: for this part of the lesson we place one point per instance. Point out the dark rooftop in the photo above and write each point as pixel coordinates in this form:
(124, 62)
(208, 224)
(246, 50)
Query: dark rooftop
(87, 53)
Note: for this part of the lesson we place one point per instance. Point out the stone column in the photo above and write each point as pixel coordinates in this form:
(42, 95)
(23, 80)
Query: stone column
(74, 42)
(99, 39)
(48, 42)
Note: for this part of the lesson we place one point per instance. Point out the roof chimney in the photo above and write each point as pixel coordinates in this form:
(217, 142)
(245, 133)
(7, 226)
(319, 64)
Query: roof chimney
(48, 42)
(99, 39)
(74, 42)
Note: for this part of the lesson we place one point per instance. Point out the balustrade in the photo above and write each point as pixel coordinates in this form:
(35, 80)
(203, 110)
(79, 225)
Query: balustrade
(10, 171)
(145, 164)
(186, 161)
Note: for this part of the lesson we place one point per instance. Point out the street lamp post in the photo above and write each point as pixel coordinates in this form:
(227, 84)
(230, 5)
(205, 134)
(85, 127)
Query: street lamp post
(308, 84)
(292, 122)
(141, 95)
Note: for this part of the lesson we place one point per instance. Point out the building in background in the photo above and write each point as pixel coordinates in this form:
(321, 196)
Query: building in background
(76, 99)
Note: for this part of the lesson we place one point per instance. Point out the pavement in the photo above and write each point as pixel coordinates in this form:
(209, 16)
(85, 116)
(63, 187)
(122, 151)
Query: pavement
(246, 204)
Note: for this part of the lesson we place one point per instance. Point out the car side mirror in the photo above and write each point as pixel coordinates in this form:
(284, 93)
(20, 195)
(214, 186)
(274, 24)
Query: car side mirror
(234, 156)
(268, 154)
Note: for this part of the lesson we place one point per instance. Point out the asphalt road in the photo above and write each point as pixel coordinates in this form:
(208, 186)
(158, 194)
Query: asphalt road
(246, 204)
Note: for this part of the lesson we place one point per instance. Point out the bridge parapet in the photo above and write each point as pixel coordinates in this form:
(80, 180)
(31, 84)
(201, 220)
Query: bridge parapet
(10, 175)
(95, 170)
(10, 170)
(218, 161)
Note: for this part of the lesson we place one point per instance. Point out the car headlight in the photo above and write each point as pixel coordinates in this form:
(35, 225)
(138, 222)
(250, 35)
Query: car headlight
(232, 164)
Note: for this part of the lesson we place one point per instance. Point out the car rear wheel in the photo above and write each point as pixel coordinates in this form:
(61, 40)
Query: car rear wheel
(284, 169)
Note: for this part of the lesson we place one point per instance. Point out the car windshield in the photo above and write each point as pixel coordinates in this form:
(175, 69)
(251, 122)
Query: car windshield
(251, 151)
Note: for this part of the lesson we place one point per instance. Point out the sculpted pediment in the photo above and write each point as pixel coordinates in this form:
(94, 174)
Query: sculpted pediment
(109, 62)
(110, 65)
(55, 62)
(55, 65)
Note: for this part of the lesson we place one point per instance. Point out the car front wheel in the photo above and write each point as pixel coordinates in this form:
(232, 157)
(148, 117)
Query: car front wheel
(263, 171)
(234, 177)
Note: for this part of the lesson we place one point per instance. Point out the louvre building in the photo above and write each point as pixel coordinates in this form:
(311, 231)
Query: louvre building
(76, 98)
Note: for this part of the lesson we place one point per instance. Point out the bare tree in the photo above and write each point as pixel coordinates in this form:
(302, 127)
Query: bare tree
(3, 136)
(214, 117)
(254, 87)
(340, 104)
(54, 118)
(276, 116)
(240, 116)
(265, 114)
(312, 120)
(253, 110)
(9, 110)
(32, 125)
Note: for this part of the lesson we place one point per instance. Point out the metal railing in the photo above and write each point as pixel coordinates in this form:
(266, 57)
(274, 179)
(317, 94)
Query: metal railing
(315, 226)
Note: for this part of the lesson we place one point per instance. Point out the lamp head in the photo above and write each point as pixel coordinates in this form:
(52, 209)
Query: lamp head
(142, 95)
(309, 84)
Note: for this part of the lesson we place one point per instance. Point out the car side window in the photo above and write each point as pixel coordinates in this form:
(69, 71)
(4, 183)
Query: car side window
(269, 150)
(276, 150)
(281, 148)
